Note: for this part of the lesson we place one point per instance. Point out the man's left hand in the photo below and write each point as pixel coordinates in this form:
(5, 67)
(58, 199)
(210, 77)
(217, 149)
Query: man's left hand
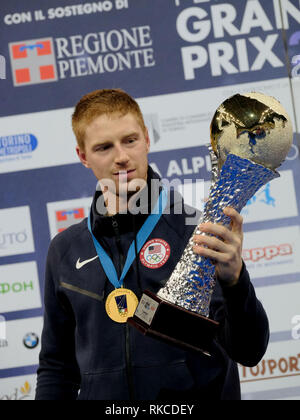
(225, 247)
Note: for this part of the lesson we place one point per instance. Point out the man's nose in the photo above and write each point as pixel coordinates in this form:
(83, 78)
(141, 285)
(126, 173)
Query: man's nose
(121, 157)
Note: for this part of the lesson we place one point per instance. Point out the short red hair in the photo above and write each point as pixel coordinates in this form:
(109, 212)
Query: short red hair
(103, 102)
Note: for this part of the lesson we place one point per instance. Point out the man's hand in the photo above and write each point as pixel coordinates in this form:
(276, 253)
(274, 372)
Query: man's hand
(225, 249)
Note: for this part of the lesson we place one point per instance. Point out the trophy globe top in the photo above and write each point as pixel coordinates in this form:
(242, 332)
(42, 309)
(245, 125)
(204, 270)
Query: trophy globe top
(253, 126)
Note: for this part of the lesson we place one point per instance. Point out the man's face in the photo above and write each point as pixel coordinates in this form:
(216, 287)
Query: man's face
(116, 149)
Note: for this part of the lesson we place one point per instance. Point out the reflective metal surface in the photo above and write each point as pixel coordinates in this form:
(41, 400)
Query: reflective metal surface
(250, 137)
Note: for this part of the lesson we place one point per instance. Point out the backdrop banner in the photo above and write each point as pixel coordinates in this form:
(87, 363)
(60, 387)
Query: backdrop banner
(180, 59)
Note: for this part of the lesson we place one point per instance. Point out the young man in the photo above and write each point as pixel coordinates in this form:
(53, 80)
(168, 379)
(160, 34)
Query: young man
(88, 347)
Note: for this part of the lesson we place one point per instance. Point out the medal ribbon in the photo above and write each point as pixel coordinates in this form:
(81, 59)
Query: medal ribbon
(141, 238)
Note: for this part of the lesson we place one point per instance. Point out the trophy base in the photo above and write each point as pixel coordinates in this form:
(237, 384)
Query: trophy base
(165, 321)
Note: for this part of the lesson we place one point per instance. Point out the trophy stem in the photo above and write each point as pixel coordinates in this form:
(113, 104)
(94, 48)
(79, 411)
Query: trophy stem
(193, 280)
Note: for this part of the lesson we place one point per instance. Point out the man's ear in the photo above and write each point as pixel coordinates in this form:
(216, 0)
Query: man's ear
(82, 157)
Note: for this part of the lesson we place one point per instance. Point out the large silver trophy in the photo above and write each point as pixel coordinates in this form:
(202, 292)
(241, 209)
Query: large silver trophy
(251, 135)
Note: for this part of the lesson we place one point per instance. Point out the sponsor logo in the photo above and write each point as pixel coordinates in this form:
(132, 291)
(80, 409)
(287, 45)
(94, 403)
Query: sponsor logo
(16, 287)
(66, 218)
(267, 252)
(18, 144)
(79, 264)
(12, 238)
(31, 340)
(272, 252)
(23, 337)
(272, 368)
(33, 61)
(63, 214)
(15, 231)
(155, 253)
(263, 196)
(19, 287)
(20, 393)
(207, 30)
(275, 200)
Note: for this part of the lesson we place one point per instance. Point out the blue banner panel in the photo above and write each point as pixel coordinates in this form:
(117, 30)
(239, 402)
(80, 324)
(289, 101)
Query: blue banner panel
(57, 51)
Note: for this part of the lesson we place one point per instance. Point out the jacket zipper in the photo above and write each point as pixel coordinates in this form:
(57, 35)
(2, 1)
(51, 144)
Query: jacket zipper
(129, 364)
(127, 333)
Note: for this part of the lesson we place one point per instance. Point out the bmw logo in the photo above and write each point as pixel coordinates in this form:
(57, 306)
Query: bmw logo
(31, 340)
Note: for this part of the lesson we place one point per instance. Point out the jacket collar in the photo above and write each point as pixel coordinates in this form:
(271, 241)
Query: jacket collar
(103, 225)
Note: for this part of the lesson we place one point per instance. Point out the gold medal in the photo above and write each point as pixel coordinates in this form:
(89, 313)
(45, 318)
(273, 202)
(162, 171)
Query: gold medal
(121, 304)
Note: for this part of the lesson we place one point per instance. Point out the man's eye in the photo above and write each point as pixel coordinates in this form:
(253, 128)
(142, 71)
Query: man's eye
(102, 148)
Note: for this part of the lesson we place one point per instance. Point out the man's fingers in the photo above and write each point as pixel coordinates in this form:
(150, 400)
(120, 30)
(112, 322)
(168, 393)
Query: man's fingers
(236, 219)
(218, 230)
(218, 257)
(210, 241)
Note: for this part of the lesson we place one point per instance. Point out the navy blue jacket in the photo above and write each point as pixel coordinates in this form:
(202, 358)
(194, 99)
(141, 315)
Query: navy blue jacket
(87, 356)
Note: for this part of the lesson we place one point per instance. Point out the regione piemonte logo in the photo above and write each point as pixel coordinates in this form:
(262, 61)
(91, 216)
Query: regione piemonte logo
(33, 61)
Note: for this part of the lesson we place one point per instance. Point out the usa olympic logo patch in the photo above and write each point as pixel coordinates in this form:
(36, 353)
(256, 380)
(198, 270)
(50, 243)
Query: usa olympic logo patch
(155, 253)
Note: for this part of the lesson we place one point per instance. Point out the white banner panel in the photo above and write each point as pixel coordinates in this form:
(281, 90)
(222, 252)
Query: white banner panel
(23, 343)
(174, 121)
(276, 377)
(62, 214)
(19, 287)
(183, 120)
(272, 252)
(275, 200)
(15, 231)
(18, 388)
(274, 299)
(28, 143)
